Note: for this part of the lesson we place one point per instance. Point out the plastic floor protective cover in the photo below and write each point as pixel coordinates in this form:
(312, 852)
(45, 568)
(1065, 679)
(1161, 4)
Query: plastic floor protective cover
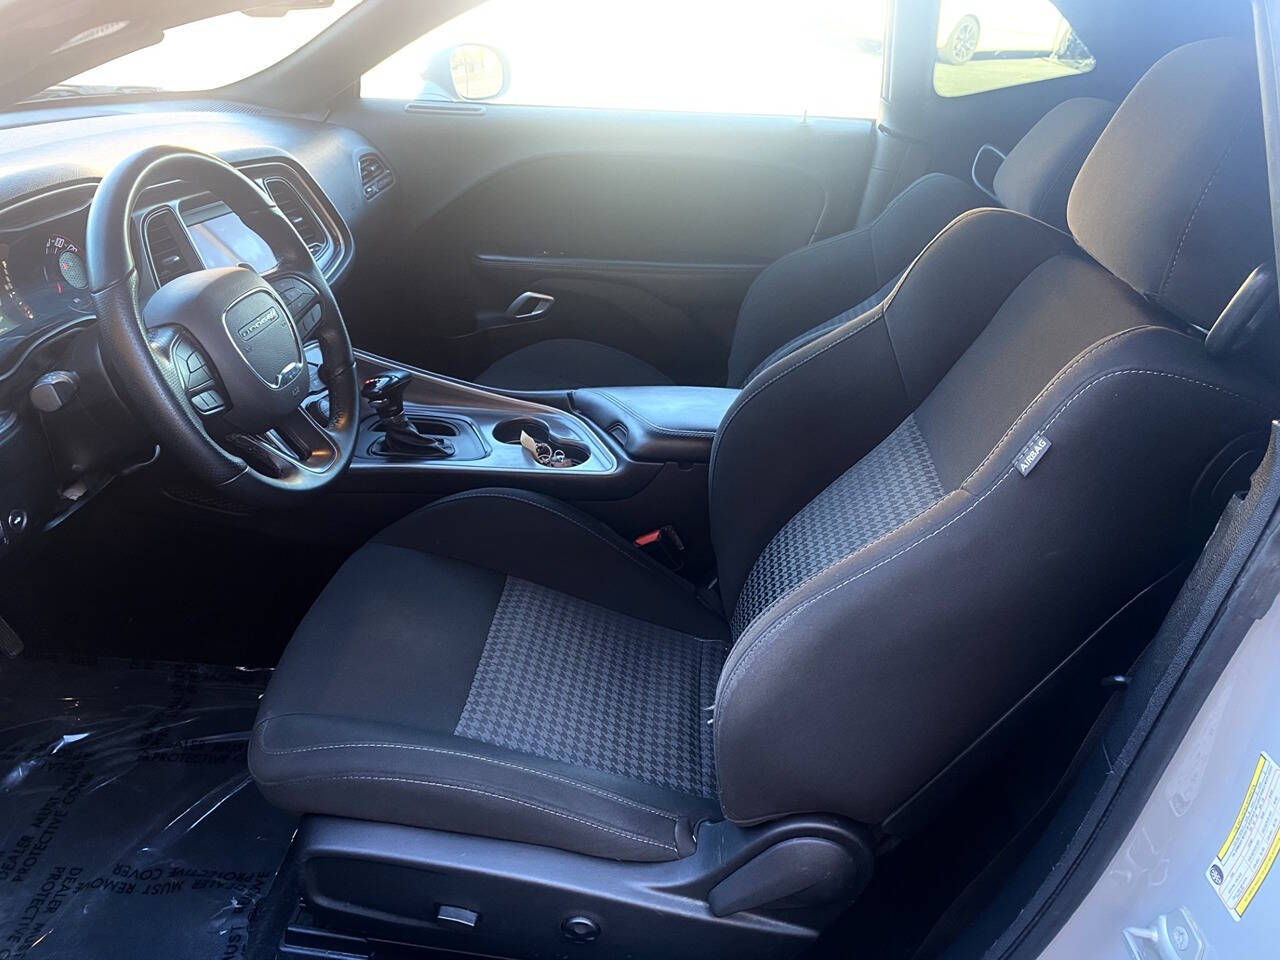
(129, 826)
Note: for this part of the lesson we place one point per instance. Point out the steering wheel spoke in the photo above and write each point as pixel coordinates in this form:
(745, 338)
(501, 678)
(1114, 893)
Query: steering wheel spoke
(188, 371)
(301, 441)
(304, 302)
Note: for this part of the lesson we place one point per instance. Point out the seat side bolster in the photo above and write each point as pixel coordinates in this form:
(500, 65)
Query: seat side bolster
(816, 283)
(793, 431)
(886, 705)
(548, 542)
(802, 421)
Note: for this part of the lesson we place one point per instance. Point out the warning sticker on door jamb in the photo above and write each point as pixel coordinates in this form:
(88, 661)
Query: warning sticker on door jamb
(1252, 846)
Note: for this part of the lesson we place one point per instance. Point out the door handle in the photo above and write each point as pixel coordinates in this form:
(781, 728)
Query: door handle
(530, 306)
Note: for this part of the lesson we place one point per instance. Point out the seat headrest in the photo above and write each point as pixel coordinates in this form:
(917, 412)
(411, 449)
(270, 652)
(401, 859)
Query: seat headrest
(1036, 177)
(1173, 200)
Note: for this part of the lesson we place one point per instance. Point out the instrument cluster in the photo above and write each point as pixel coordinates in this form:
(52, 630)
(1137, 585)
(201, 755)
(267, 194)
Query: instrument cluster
(43, 281)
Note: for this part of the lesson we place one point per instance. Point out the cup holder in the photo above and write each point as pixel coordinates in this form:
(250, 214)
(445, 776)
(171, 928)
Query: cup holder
(508, 431)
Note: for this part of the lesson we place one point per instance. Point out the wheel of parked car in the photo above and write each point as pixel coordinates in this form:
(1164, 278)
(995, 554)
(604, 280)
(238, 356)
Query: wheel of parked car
(962, 42)
(215, 362)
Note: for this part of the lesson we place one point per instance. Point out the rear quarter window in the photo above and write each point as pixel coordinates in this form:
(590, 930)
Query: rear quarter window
(986, 45)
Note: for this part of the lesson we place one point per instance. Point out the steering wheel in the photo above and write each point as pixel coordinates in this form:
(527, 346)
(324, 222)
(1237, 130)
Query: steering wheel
(215, 364)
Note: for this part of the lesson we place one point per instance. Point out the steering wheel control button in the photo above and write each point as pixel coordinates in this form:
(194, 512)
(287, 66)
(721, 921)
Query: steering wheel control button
(580, 929)
(298, 295)
(210, 401)
(199, 378)
(192, 367)
(312, 320)
(457, 916)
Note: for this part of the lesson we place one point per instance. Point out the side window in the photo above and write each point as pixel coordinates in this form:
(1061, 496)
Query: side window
(988, 44)
(706, 56)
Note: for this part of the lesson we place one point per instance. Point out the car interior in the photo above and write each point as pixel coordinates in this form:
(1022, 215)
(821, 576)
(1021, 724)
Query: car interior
(458, 523)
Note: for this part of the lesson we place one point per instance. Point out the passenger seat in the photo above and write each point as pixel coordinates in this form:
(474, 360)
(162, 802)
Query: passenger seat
(819, 287)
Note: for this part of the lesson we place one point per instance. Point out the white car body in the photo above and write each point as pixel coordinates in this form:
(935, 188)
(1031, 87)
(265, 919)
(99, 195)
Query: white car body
(1006, 25)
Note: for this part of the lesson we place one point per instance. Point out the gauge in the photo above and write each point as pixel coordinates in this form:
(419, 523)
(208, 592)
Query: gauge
(64, 270)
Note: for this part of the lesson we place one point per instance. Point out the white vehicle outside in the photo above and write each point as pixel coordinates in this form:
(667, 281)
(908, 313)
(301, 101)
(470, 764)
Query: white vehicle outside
(969, 29)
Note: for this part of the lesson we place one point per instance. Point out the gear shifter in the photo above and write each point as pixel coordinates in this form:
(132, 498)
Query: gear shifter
(385, 394)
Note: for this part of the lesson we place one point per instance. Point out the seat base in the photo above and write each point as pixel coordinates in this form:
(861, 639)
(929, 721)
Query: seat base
(372, 882)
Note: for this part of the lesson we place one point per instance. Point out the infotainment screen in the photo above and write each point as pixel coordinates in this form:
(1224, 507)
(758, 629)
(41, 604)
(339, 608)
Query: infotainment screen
(225, 241)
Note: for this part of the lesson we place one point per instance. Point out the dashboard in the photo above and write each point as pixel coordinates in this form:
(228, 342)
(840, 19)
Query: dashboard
(44, 284)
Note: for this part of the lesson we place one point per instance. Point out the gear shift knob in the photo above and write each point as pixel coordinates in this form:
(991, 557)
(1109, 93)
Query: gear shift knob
(385, 393)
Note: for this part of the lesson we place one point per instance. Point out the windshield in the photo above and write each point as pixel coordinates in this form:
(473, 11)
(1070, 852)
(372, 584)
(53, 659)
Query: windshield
(245, 43)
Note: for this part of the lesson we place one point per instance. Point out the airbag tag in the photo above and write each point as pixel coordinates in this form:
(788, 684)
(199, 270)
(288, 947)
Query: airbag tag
(1252, 846)
(1032, 453)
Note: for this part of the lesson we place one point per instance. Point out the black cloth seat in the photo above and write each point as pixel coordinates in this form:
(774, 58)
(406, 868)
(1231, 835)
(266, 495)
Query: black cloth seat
(447, 678)
(980, 472)
(819, 287)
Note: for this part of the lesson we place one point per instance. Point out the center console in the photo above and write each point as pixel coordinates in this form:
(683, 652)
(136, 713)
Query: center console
(418, 424)
(445, 435)
(635, 457)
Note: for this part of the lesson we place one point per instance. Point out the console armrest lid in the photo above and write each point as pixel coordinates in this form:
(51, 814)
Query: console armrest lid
(658, 424)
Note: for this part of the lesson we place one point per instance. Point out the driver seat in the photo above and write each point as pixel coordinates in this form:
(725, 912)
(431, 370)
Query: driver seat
(918, 518)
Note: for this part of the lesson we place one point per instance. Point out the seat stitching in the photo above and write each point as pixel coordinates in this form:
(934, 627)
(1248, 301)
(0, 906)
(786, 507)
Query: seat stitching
(753, 293)
(653, 426)
(1195, 211)
(856, 327)
(859, 323)
(820, 330)
(496, 796)
(1081, 358)
(1154, 373)
(469, 756)
(761, 640)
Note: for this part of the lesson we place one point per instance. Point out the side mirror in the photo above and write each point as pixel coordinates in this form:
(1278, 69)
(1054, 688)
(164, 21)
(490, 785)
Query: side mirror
(469, 71)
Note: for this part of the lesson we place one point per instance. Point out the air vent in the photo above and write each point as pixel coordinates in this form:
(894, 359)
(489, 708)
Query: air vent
(375, 175)
(166, 250)
(291, 204)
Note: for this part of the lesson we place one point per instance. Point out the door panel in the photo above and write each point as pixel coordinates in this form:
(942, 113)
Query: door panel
(646, 228)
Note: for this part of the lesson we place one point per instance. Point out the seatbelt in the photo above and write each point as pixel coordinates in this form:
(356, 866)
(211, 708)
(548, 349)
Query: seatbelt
(986, 181)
